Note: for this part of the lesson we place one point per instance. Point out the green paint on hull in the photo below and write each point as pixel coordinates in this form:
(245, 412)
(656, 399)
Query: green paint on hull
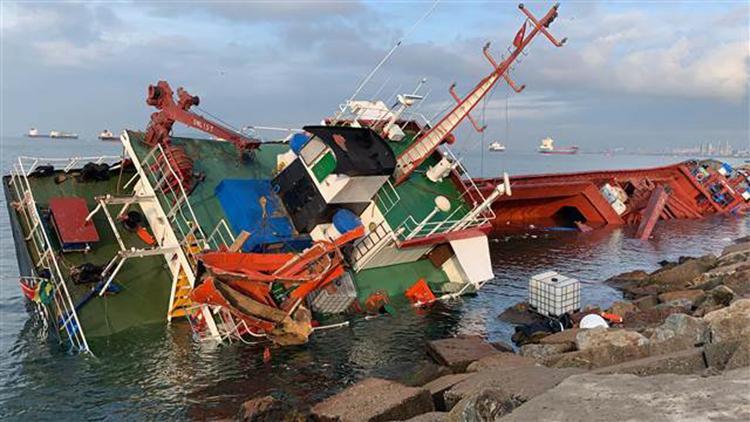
(218, 161)
(418, 194)
(146, 282)
(395, 279)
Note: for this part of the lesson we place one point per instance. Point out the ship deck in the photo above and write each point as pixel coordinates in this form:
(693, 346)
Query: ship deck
(216, 161)
(417, 194)
(145, 282)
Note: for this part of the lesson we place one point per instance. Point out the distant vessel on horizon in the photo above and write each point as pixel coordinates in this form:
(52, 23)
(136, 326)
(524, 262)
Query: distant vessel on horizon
(497, 147)
(34, 133)
(548, 147)
(107, 135)
(62, 135)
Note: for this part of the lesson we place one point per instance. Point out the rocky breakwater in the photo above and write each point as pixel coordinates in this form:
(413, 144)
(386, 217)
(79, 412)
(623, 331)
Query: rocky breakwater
(681, 352)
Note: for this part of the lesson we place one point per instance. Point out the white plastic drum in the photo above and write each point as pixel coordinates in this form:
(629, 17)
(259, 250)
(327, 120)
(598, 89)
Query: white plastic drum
(593, 321)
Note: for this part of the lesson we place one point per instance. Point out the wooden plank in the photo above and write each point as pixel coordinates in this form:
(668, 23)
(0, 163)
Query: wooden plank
(239, 241)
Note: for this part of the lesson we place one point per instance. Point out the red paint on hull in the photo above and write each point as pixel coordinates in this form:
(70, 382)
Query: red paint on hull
(696, 189)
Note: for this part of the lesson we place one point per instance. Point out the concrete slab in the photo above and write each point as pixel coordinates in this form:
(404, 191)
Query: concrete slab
(458, 352)
(684, 362)
(374, 400)
(665, 397)
(523, 383)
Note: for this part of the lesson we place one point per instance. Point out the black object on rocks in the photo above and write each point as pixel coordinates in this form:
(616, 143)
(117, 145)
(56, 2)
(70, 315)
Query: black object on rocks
(529, 332)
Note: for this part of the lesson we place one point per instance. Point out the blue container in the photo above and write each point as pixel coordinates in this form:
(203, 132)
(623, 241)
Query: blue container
(345, 221)
(298, 141)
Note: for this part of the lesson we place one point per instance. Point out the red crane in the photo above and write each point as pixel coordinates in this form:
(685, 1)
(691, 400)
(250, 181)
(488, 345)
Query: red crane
(161, 97)
(416, 153)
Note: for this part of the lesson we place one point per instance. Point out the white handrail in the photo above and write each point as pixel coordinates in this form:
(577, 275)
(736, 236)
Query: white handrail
(46, 254)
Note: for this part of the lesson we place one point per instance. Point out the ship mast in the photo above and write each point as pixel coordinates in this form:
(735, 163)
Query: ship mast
(422, 148)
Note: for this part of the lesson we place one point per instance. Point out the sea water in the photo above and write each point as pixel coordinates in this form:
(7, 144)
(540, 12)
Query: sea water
(160, 372)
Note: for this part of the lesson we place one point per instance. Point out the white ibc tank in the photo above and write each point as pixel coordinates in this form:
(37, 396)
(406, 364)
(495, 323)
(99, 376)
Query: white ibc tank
(552, 294)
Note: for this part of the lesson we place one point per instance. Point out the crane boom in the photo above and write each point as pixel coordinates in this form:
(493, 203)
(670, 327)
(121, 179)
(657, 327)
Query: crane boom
(161, 97)
(416, 153)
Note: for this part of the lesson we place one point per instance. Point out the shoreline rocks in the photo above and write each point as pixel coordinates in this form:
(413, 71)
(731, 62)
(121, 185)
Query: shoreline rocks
(682, 350)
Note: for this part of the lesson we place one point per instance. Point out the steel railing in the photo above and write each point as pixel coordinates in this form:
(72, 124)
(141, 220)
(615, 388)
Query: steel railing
(66, 318)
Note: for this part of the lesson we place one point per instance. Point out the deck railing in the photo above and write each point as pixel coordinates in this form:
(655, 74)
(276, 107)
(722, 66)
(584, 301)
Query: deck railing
(65, 315)
(387, 197)
(174, 200)
(220, 236)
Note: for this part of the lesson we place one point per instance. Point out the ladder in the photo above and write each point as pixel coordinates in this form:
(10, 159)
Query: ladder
(416, 153)
(179, 299)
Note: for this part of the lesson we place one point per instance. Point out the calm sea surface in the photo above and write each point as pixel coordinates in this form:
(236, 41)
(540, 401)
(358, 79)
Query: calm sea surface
(158, 372)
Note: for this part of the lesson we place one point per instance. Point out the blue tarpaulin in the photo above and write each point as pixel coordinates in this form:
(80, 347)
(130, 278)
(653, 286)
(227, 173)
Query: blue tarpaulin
(269, 224)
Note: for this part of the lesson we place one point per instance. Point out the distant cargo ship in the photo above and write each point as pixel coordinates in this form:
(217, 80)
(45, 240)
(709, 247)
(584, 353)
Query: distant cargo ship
(107, 135)
(497, 147)
(548, 147)
(62, 135)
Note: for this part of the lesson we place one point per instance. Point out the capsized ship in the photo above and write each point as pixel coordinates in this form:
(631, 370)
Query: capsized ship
(593, 199)
(256, 240)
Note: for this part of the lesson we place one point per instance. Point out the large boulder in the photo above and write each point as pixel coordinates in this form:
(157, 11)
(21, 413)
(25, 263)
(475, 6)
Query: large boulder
(458, 352)
(523, 382)
(715, 298)
(501, 360)
(688, 361)
(374, 399)
(629, 278)
(520, 314)
(541, 351)
(687, 297)
(728, 354)
(741, 356)
(597, 357)
(682, 274)
(665, 397)
(678, 332)
(597, 338)
(424, 374)
(622, 308)
(734, 249)
(486, 405)
(732, 322)
(645, 302)
(268, 409)
(652, 317)
(438, 387)
(739, 282)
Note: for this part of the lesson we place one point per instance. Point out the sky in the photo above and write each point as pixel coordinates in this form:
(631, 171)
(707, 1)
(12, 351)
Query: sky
(633, 74)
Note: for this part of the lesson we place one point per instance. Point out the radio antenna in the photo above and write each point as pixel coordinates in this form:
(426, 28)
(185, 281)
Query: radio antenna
(385, 59)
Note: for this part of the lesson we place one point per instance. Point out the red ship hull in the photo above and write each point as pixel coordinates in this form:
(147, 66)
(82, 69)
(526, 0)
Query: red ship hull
(576, 200)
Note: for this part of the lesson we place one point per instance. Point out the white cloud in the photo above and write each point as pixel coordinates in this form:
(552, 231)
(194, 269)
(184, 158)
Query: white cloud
(647, 55)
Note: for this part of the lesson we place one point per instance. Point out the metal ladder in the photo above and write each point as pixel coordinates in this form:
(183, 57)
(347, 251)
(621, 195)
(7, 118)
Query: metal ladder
(64, 312)
(416, 153)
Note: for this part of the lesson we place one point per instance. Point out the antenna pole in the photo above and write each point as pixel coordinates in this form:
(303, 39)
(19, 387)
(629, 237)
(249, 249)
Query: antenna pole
(385, 59)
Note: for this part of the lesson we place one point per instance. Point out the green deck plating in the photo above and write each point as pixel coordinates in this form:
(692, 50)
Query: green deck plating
(145, 283)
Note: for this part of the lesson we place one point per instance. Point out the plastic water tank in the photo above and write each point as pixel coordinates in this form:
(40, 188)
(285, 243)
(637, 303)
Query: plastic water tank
(298, 141)
(345, 221)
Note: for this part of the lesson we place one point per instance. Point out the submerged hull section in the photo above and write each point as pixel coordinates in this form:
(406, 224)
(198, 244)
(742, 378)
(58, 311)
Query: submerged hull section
(579, 201)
